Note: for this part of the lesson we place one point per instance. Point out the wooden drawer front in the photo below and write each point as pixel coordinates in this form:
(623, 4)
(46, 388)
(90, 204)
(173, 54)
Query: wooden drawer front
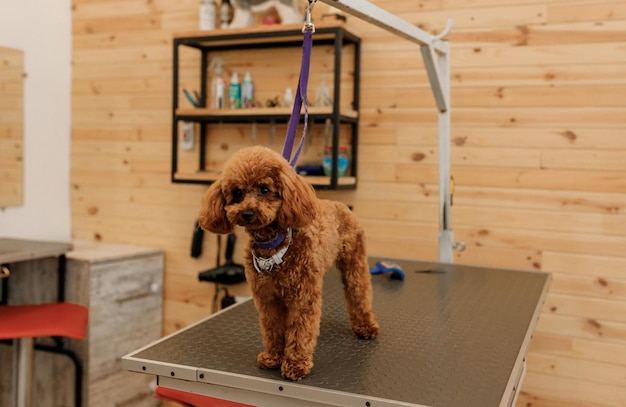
(126, 311)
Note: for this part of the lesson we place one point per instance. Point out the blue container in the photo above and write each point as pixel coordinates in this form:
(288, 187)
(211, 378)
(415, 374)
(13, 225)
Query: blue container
(343, 161)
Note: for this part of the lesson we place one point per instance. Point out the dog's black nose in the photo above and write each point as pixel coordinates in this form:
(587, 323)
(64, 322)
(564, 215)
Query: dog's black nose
(247, 216)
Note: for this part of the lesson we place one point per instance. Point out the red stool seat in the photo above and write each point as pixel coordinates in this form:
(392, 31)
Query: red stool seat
(23, 323)
(193, 399)
(50, 319)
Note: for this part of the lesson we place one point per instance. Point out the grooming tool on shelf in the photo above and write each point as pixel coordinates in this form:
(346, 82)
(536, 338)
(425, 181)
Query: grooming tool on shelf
(190, 98)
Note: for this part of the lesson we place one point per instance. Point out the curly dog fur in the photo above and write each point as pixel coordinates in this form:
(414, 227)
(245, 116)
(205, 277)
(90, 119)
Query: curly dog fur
(261, 192)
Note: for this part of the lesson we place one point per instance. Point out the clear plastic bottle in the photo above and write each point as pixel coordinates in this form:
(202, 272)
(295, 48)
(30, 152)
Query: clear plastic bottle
(207, 15)
(234, 92)
(288, 97)
(218, 84)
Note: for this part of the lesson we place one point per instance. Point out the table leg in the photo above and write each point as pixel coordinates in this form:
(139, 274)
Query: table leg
(22, 372)
(4, 284)
(62, 269)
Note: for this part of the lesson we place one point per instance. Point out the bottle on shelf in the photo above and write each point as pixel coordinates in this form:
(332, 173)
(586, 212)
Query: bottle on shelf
(247, 91)
(207, 15)
(288, 97)
(226, 13)
(343, 161)
(218, 84)
(322, 94)
(234, 92)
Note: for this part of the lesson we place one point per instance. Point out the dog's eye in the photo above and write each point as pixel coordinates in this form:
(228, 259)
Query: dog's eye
(237, 195)
(264, 190)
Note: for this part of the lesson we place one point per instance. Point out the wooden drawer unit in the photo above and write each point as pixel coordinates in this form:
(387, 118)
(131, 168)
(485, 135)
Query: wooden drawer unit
(123, 287)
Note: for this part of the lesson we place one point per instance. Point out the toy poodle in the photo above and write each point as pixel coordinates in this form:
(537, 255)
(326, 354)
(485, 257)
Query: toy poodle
(294, 239)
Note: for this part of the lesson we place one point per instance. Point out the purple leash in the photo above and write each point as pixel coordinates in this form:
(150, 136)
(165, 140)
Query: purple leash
(300, 98)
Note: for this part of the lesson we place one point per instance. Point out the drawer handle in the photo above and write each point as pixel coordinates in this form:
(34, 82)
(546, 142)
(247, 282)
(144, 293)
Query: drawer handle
(154, 288)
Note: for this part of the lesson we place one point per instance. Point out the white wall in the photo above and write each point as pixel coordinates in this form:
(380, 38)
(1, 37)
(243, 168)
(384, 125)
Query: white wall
(43, 30)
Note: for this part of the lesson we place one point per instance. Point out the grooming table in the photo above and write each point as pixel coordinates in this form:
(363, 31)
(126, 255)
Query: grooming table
(451, 335)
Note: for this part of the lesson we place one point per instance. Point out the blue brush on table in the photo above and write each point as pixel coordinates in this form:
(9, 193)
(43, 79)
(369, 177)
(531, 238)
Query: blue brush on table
(385, 266)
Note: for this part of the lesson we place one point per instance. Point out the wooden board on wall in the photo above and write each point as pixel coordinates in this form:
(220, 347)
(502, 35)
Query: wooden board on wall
(11, 127)
(538, 122)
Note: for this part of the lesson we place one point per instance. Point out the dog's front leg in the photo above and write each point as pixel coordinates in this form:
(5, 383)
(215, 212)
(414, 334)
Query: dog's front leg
(302, 331)
(272, 317)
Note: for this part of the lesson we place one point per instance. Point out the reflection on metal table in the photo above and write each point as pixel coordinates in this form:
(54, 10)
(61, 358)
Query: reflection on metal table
(451, 335)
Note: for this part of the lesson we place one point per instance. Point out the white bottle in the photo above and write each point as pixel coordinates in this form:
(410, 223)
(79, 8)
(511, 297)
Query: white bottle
(288, 97)
(186, 143)
(207, 15)
(247, 91)
(218, 84)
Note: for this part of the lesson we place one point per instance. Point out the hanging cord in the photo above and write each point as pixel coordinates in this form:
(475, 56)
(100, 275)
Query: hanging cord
(301, 96)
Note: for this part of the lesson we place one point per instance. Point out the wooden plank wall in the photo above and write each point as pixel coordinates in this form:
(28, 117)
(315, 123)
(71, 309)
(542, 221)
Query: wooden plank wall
(11, 127)
(539, 116)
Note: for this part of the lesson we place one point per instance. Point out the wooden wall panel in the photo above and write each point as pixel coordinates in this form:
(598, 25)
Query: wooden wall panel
(11, 127)
(538, 123)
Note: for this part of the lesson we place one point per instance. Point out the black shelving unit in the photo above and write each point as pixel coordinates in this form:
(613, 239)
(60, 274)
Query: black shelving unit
(334, 34)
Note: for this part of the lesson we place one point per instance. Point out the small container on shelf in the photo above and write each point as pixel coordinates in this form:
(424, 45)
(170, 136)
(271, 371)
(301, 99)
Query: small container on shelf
(343, 161)
(207, 15)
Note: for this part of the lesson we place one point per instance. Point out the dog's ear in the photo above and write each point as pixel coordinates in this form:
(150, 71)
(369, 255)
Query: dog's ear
(299, 206)
(212, 215)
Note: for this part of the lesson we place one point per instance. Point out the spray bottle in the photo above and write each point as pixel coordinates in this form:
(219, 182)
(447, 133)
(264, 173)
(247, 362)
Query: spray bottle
(218, 85)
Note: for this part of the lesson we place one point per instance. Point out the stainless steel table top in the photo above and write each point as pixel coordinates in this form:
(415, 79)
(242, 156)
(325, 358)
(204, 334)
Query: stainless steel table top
(451, 335)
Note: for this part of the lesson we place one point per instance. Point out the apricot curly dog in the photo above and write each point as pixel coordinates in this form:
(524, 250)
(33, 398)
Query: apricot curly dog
(294, 239)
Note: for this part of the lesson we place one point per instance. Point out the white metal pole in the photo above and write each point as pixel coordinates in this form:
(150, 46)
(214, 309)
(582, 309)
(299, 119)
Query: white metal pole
(436, 55)
(446, 235)
(382, 18)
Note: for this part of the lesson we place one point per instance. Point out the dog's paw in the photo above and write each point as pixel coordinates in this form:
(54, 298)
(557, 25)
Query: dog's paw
(295, 370)
(366, 330)
(268, 360)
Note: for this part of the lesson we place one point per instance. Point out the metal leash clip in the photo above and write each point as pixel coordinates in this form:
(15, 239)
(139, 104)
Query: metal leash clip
(308, 24)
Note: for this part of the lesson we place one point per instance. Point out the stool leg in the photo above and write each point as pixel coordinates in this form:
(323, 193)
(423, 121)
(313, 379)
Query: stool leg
(22, 372)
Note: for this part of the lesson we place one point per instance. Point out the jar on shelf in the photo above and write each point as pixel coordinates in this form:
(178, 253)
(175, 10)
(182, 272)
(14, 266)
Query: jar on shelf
(343, 161)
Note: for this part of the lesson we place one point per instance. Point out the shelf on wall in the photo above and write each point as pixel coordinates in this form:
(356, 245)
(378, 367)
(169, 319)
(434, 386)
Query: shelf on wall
(343, 114)
(263, 113)
(203, 177)
(259, 35)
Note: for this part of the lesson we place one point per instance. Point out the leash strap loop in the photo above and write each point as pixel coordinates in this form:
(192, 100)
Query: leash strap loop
(299, 100)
